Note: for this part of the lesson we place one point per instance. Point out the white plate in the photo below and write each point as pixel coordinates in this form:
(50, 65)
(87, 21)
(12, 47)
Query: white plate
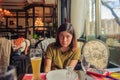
(59, 75)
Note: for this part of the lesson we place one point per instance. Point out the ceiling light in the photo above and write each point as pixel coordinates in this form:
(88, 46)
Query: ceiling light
(4, 12)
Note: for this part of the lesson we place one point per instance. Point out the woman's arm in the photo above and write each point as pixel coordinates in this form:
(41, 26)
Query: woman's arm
(73, 63)
(75, 58)
(47, 65)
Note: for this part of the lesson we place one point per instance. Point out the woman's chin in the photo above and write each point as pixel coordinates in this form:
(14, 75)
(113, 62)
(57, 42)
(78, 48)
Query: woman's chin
(64, 46)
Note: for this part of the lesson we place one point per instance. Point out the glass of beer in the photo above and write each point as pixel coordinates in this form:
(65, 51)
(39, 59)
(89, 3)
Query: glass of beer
(36, 59)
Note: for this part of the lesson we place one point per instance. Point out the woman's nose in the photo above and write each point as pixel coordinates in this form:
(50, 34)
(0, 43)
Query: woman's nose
(64, 39)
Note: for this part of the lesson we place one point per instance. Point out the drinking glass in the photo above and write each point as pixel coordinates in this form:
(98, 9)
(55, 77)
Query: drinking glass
(36, 59)
(85, 65)
(69, 73)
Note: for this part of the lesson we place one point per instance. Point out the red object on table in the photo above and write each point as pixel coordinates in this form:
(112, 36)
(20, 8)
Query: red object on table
(29, 76)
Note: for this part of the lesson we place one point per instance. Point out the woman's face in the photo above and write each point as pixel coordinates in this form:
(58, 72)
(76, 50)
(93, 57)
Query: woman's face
(65, 38)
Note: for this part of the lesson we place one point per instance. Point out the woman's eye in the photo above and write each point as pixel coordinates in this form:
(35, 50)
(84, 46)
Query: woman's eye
(61, 36)
(68, 36)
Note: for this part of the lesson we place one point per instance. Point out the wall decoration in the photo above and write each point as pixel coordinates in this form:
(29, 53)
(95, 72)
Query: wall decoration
(11, 22)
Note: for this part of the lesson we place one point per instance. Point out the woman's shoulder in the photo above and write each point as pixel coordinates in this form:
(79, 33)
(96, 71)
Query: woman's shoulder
(76, 49)
(52, 46)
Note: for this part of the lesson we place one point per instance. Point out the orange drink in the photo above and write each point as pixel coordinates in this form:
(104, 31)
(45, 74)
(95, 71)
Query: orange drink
(36, 59)
(36, 65)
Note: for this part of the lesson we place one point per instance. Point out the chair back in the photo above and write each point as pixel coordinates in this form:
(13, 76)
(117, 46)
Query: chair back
(44, 44)
(96, 53)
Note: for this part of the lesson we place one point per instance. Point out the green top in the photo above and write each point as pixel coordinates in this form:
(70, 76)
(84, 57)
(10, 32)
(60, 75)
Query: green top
(59, 59)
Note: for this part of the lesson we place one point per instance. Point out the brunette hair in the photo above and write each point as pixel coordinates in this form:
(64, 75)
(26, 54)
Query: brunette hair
(69, 28)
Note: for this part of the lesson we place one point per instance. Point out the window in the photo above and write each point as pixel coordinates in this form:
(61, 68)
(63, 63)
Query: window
(109, 26)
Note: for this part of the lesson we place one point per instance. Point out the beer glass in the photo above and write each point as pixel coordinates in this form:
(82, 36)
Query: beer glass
(36, 59)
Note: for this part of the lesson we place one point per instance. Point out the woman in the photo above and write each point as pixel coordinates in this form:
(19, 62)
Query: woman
(64, 52)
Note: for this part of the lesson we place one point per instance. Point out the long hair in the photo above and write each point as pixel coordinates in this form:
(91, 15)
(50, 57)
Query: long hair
(69, 28)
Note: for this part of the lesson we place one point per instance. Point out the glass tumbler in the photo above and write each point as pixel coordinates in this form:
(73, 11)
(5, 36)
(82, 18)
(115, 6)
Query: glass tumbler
(69, 73)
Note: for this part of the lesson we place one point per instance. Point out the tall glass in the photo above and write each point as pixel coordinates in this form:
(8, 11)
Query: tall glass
(36, 59)
(69, 74)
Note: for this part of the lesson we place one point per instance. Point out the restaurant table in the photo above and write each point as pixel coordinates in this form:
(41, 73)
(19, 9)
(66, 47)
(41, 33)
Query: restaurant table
(81, 76)
(29, 76)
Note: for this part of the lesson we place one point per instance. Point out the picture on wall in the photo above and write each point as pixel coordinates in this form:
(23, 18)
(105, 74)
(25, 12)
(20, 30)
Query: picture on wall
(11, 22)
